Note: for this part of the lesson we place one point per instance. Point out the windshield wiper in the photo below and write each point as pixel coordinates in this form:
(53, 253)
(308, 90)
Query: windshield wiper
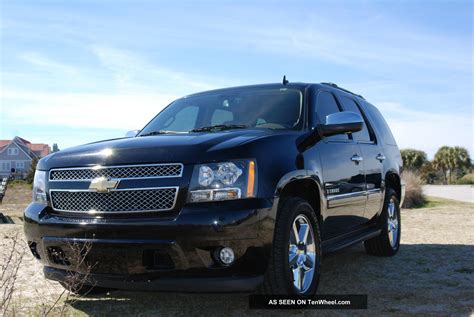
(220, 127)
(157, 133)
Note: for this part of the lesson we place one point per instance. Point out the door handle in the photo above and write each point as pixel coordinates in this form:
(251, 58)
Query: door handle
(380, 157)
(356, 158)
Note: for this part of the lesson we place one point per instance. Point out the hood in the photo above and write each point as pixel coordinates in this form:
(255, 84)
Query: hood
(168, 148)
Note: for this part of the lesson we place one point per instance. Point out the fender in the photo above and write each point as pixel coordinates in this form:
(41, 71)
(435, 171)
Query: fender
(298, 175)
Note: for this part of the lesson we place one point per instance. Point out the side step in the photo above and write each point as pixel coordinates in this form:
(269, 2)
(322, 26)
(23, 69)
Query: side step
(347, 240)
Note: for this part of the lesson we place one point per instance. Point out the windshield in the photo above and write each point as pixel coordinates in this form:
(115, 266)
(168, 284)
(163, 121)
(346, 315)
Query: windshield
(266, 108)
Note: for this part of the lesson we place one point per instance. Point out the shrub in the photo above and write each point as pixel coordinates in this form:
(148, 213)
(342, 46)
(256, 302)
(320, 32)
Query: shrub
(467, 179)
(414, 197)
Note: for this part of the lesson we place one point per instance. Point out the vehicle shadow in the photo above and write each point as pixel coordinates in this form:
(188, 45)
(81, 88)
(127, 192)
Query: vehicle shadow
(420, 279)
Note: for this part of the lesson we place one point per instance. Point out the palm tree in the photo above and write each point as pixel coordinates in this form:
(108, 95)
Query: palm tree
(450, 159)
(413, 159)
(461, 159)
(441, 161)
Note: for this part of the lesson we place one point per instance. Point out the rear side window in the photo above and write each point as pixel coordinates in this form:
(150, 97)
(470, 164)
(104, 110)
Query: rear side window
(325, 105)
(380, 124)
(350, 105)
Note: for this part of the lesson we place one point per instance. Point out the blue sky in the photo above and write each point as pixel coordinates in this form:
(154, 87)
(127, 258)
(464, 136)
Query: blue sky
(78, 71)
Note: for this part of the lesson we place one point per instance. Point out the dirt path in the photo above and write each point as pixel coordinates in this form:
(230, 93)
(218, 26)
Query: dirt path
(432, 274)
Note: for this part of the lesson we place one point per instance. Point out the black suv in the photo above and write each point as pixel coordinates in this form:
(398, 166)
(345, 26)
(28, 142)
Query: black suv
(228, 190)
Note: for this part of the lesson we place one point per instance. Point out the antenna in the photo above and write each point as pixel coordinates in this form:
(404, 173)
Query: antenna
(285, 81)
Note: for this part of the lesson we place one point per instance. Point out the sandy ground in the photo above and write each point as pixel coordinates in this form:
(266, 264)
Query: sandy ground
(457, 192)
(433, 274)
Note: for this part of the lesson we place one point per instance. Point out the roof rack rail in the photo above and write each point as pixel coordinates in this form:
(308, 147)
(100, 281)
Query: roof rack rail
(340, 88)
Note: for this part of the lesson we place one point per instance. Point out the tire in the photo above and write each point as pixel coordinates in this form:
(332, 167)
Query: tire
(294, 215)
(85, 290)
(388, 242)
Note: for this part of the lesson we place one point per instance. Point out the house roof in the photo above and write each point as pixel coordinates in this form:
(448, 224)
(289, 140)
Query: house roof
(4, 142)
(31, 149)
(40, 148)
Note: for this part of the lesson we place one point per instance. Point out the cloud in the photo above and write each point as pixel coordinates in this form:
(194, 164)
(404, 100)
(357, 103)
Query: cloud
(132, 72)
(81, 110)
(428, 131)
(48, 64)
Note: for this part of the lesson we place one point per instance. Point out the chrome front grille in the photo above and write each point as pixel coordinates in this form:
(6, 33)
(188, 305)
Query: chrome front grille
(117, 172)
(117, 201)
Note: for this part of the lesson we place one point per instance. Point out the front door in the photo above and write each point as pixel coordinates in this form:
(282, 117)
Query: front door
(373, 157)
(342, 173)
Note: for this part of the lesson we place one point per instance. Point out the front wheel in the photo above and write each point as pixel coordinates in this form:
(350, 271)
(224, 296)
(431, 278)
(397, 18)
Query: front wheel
(295, 261)
(388, 242)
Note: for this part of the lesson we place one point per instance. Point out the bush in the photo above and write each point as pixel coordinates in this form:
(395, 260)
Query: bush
(414, 197)
(31, 173)
(467, 179)
(17, 182)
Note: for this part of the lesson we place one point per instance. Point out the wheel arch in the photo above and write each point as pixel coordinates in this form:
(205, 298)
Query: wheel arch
(393, 181)
(304, 184)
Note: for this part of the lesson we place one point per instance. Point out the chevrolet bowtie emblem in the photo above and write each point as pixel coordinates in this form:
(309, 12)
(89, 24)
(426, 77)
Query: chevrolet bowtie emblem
(103, 185)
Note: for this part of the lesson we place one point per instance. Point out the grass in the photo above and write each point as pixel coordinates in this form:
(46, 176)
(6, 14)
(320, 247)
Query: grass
(467, 179)
(19, 183)
(433, 202)
(414, 196)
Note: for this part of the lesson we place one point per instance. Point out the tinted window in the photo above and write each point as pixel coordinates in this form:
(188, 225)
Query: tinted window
(266, 108)
(326, 104)
(380, 124)
(350, 105)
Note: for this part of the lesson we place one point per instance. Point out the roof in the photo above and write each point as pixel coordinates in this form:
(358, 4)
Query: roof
(299, 85)
(31, 149)
(340, 88)
(274, 85)
(40, 148)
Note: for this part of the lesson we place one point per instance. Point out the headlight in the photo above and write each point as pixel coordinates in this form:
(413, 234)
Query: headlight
(223, 181)
(39, 187)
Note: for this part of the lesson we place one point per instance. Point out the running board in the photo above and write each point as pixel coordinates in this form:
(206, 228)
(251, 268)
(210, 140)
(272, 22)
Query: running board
(339, 243)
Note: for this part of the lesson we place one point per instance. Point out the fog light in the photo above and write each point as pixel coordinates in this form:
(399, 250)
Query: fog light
(225, 256)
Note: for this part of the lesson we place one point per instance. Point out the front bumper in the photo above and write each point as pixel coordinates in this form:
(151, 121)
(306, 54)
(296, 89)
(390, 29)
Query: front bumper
(166, 284)
(154, 253)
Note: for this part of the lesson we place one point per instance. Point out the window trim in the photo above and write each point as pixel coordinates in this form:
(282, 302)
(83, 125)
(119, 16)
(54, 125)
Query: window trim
(368, 124)
(9, 166)
(23, 165)
(15, 151)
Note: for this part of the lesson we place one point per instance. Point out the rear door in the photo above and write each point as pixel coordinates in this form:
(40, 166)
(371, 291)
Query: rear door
(342, 173)
(373, 158)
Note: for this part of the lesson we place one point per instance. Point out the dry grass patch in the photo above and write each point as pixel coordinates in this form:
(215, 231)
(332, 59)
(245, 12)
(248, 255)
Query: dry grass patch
(414, 197)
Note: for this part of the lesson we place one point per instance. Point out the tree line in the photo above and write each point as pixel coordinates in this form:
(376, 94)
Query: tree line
(451, 165)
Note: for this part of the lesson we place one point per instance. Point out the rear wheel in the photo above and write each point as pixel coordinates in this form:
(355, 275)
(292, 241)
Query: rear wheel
(388, 242)
(294, 266)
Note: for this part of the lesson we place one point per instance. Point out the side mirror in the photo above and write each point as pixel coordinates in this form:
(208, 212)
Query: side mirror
(341, 122)
(132, 133)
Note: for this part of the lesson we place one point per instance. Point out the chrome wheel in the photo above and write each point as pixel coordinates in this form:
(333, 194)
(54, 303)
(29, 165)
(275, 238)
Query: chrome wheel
(302, 253)
(392, 223)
